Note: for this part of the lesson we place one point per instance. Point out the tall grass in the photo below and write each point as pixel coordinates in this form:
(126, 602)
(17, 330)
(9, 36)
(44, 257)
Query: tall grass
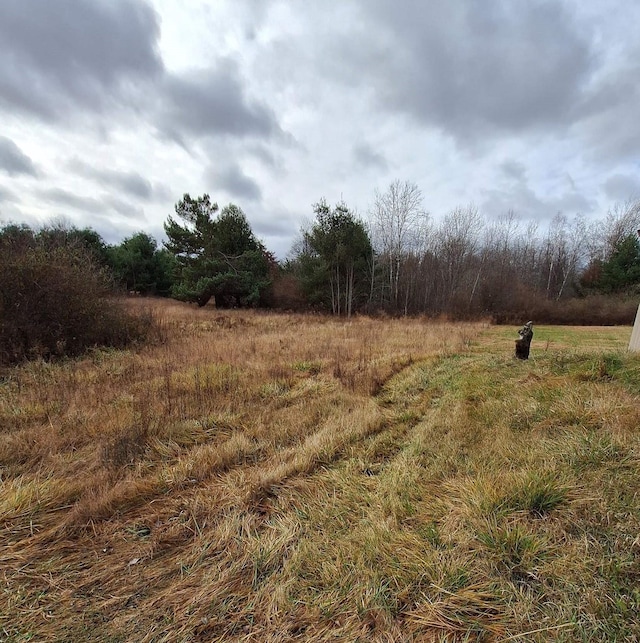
(285, 477)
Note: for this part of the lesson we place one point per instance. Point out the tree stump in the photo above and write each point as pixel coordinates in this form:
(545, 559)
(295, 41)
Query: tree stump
(523, 345)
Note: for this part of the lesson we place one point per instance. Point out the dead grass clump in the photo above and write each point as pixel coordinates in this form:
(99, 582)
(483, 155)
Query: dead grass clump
(473, 611)
(127, 447)
(107, 498)
(517, 552)
(538, 493)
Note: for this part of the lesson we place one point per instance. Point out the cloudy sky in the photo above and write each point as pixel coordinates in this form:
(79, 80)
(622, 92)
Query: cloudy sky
(110, 110)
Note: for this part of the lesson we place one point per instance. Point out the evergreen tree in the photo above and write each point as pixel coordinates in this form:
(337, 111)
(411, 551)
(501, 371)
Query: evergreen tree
(622, 269)
(335, 259)
(139, 266)
(217, 255)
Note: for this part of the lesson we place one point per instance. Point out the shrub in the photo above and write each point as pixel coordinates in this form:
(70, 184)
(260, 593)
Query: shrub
(593, 310)
(56, 301)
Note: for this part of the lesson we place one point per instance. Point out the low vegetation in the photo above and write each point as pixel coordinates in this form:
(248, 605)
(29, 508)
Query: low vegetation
(56, 300)
(279, 477)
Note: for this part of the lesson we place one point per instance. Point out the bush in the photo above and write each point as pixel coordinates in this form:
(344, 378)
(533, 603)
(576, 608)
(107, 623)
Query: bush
(594, 310)
(285, 293)
(55, 301)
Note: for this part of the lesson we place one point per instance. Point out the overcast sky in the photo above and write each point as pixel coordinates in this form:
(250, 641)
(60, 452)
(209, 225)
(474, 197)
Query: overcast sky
(110, 110)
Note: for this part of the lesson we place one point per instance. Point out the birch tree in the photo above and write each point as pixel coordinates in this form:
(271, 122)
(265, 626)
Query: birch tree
(396, 218)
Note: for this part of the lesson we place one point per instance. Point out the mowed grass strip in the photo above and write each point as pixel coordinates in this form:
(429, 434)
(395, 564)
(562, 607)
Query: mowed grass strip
(284, 477)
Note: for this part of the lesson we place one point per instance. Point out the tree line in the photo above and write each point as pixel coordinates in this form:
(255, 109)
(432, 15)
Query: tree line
(397, 260)
(401, 261)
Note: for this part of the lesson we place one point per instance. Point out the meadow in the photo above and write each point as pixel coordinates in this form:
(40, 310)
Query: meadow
(255, 476)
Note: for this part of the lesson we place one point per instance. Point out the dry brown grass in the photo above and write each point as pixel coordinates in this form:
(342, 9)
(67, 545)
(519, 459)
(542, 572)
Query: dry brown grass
(174, 454)
(272, 477)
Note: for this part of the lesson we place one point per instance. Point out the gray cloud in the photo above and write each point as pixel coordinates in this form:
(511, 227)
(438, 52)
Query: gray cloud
(621, 187)
(10, 214)
(609, 115)
(513, 169)
(131, 183)
(13, 160)
(367, 157)
(212, 102)
(91, 207)
(70, 199)
(56, 56)
(468, 68)
(277, 229)
(235, 182)
(6, 195)
(458, 96)
(515, 194)
(125, 208)
(60, 57)
(263, 154)
(277, 225)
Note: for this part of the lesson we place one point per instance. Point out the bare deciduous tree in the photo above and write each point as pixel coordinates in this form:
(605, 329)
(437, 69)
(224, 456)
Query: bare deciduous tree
(458, 239)
(397, 216)
(563, 250)
(622, 220)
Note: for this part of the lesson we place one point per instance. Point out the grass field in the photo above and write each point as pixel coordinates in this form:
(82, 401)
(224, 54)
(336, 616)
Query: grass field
(274, 477)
